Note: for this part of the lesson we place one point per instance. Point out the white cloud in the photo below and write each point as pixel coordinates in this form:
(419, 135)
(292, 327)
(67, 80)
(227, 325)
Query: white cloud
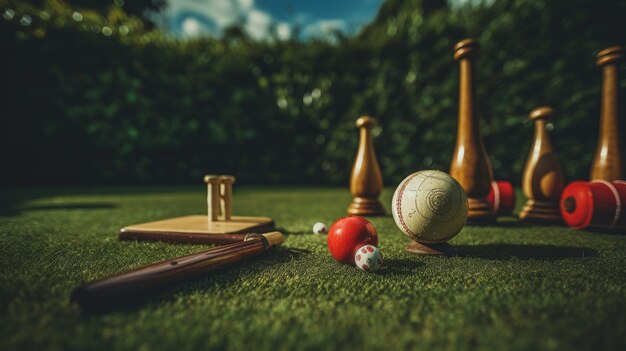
(212, 17)
(192, 27)
(283, 31)
(324, 27)
(246, 4)
(217, 15)
(258, 24)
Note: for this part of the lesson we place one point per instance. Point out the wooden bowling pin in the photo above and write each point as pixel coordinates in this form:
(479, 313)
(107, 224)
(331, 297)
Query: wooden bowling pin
(607, 163)
(366, 181)
(470, 164)
(543, 179)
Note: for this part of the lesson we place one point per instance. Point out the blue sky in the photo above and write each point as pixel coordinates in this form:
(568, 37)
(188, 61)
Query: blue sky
(263, 19)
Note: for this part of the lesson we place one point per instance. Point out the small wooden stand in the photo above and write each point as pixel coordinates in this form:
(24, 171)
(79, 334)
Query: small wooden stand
(543, 179)
(219, 226)
(440, 249)
(470, 164)
(607, 162)
(366, 180)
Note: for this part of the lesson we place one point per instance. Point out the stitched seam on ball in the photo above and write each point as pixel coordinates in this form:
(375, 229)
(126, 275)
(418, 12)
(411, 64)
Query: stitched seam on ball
(399, 205)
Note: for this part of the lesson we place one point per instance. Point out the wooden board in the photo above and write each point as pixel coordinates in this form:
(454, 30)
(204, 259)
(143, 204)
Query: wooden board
(196, 230)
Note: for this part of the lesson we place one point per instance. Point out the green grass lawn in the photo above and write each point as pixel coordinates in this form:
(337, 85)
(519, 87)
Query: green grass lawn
(513, 286)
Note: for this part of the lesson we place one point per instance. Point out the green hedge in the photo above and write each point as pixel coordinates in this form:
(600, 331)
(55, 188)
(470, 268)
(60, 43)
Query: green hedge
(137, 107)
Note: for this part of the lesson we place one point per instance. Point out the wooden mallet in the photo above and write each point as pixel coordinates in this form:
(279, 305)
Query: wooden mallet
(127, 286)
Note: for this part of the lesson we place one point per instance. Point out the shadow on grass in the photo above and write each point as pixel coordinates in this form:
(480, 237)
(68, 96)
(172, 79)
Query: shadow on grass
(14, 201)
(8, 211)
(285, 254)
(514, 222)
(605, 231)
(507, 252)
(70, 206)
(169, 291)
(399, 267)
(511, 222)
(293, 232)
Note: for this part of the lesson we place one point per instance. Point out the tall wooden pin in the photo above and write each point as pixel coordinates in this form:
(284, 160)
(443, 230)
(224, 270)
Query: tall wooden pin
(543, 179)
(470, 164)
(366, 180)
(607, 163)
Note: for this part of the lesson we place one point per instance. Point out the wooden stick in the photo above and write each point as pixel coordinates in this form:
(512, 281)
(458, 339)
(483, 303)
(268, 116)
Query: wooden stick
(125, 286)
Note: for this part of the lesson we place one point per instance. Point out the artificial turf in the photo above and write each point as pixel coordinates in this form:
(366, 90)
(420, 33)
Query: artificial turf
(513, 286)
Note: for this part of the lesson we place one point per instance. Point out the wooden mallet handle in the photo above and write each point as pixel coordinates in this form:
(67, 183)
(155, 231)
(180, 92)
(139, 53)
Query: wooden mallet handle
(126, 286)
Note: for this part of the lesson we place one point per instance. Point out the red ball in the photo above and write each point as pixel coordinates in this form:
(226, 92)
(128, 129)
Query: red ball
(347, 235)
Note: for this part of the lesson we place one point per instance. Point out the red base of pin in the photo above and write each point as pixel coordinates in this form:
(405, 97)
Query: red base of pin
(594, 204)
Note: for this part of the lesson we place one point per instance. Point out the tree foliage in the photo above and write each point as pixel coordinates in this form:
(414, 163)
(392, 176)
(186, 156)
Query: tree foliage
(127, 104)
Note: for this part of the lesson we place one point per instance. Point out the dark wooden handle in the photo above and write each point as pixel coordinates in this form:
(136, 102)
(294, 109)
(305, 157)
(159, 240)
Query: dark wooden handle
(138, 282)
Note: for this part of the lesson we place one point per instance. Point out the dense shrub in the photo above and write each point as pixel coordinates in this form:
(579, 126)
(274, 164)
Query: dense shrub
(134, 106)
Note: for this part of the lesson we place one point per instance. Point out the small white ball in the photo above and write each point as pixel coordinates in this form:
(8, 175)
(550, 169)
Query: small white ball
(368, 258)
(319, 228)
